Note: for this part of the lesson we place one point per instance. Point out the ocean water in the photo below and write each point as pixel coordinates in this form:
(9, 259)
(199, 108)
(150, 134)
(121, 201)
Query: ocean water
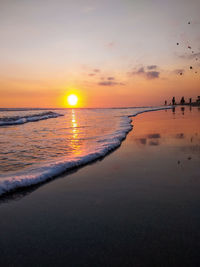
(37, 145)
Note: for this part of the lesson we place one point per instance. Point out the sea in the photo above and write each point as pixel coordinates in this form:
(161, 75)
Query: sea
(37, 145)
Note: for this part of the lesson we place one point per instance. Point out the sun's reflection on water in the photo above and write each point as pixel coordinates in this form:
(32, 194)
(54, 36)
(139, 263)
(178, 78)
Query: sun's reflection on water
(75, 142)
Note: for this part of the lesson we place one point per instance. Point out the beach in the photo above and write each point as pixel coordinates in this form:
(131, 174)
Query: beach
(138, 206)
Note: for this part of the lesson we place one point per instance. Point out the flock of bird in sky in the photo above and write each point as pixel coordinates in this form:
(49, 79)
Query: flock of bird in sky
(189, 47)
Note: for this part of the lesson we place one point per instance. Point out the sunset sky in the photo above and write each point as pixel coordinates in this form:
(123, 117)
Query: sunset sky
(111, 53)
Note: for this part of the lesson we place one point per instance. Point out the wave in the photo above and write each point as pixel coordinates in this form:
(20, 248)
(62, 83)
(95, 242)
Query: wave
(52, 169)
(6, 121)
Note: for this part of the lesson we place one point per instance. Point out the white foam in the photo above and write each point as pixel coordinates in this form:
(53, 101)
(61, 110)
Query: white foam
(52, 169)
(30, 118)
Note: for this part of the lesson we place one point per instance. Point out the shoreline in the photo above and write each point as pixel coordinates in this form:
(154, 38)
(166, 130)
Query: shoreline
(12, 183)
(137, 207)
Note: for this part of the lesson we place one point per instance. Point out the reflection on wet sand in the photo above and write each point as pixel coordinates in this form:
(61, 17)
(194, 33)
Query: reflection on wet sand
(153, 143)
(180, 136)
(149, 139)
(178, 129)
(154, 135)
(183, 110)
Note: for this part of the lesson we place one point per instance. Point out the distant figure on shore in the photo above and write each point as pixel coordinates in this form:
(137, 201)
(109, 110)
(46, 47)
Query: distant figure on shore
(182, 102)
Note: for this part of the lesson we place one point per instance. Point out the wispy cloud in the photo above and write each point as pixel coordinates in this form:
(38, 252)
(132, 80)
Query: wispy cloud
(152, 67)
(146, 73)
(110, 83)
(190, 56)
(96, 70)
(152, 74)
(111, 78)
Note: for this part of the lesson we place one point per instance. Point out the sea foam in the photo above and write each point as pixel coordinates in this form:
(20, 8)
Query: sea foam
(47, 171)
(8, 121)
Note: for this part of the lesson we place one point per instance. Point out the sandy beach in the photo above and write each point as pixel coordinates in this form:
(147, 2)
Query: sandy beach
(139, 206)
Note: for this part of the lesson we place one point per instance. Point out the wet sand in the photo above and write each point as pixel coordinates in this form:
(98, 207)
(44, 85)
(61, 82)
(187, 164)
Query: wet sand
(139, 206)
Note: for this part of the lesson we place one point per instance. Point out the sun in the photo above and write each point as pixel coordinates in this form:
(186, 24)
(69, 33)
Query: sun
(72, 100)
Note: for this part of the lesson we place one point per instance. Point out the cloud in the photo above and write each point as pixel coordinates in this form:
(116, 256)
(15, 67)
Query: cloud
(140, 71)
(152, 74)
(91, 74)
(110, 83)
(96, 70)
(152, 67)
(146, 73)
(190, 56)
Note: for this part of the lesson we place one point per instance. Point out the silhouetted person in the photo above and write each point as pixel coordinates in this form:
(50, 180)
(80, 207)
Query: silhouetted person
(173, 101)
(190, 100)
(165, 102)
(182, 101)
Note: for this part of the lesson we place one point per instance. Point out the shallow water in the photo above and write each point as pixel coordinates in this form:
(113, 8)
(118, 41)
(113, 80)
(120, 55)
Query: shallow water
(137, 207)
(37, 145)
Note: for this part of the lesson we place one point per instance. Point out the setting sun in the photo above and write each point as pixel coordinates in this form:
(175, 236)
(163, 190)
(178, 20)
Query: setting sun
(72, 100)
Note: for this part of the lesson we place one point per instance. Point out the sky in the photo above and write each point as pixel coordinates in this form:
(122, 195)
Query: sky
(111, 53)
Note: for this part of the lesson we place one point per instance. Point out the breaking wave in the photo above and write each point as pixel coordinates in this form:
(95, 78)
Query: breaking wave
(47, 171)
(6, 121)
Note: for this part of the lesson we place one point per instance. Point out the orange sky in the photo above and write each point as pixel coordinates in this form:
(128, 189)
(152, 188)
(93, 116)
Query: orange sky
(110, 53)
